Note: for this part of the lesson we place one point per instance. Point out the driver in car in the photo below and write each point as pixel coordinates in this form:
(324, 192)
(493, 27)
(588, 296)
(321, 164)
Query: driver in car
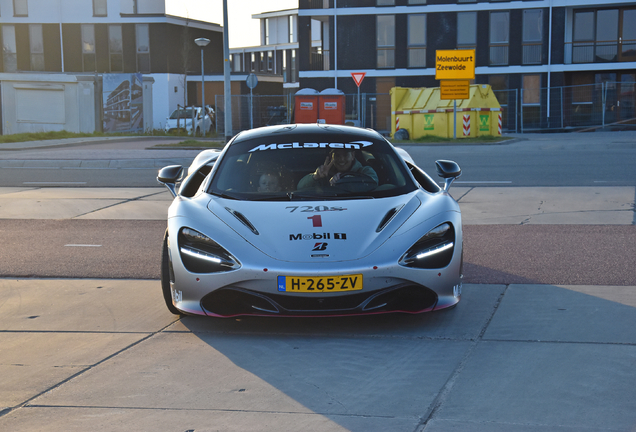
(338, 165)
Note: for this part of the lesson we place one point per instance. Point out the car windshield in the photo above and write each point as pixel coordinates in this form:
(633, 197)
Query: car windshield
(293, 167)
(181, 113)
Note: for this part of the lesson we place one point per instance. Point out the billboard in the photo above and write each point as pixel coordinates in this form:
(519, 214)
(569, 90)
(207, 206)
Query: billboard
(122, 98)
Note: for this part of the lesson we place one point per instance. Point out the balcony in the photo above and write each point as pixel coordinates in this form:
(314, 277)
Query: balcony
(600, 51)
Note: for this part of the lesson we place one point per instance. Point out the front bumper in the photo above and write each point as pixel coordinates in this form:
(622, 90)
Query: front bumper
(232, 301)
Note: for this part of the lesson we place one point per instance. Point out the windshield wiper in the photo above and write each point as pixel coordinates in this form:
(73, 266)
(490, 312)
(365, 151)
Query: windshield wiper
(335, 196)
(270, 198)
(223, 195)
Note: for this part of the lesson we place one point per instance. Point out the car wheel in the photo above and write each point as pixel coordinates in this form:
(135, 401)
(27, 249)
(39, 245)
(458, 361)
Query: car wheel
(166, 276)
(401, 134)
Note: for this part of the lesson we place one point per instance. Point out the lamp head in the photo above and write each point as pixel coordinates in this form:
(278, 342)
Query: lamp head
(202, 42)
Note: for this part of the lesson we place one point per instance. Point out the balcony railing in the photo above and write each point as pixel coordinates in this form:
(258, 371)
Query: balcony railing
(314, 4)
(601, 51)
(532, 53)
(499, 54)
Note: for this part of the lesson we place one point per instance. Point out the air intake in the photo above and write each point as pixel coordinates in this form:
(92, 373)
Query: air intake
(388, 217)
(242, 219)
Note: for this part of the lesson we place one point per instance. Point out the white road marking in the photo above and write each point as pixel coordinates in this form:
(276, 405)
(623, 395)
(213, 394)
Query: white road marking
(483, 182)
(82, 245)
(54, 183)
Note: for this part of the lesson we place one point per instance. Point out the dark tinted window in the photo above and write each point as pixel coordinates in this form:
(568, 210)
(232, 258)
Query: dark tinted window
(280, 166)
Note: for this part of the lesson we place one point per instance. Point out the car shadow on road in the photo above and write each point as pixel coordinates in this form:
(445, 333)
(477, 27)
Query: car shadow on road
(390, 371)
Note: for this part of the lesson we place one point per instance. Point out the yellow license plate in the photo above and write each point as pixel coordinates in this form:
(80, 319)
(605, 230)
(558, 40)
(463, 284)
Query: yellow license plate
(320, 284)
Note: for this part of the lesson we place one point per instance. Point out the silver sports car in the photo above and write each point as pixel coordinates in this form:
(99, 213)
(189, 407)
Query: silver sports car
(300, 220)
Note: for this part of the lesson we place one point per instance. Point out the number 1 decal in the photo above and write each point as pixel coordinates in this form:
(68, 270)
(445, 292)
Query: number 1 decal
(317, 220)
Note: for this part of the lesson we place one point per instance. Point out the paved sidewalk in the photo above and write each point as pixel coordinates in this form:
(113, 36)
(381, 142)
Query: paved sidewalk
(601, 205)
(105, 355)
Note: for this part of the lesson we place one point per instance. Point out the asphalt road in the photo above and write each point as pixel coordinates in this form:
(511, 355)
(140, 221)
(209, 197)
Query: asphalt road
(577, 159)
(494, 254)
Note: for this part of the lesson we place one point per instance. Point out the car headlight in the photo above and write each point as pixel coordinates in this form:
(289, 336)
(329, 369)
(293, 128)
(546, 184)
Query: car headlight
(200, 254)
(433, 250)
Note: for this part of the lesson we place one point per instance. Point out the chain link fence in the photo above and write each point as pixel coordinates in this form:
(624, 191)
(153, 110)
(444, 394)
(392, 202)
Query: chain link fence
(526, 110)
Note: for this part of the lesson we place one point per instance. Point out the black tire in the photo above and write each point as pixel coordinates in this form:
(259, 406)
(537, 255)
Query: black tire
(165, 276)
(401, 134)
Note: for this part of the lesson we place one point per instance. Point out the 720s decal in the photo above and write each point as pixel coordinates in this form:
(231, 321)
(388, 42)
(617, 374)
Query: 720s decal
(314, 209)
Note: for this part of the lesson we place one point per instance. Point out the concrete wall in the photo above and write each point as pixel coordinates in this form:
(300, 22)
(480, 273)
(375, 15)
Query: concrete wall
(165, 99)
(47, 102)
(55, 102)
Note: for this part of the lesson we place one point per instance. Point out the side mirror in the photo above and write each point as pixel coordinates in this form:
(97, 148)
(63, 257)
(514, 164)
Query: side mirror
(449, 171)
(169, 176)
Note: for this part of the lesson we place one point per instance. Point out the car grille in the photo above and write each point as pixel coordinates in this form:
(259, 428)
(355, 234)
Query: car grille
(232, 301)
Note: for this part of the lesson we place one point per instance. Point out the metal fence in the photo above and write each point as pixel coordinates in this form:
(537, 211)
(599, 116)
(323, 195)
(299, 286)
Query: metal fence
(525, 110)
(576, 107)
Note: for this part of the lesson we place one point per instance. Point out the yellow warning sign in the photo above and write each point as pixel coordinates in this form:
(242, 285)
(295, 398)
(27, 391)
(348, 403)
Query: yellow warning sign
(454, 89)
(454, 64)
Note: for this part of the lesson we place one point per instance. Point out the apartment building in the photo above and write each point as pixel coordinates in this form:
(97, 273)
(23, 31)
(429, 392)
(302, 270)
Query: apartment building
(529, 51)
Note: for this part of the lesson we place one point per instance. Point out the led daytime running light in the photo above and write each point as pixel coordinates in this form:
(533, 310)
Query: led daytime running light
(437, 250)
(201, 255)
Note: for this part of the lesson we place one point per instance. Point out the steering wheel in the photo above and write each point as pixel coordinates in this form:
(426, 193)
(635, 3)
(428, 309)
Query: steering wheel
(357, 181)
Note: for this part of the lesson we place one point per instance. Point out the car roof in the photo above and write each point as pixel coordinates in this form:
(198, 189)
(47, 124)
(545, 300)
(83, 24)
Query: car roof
(317, 131)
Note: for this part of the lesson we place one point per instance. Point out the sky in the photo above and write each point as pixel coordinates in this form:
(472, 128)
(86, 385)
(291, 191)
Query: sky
(243, 30)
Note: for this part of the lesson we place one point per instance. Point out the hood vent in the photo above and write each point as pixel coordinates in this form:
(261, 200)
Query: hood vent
(242, 219)
(388, 218)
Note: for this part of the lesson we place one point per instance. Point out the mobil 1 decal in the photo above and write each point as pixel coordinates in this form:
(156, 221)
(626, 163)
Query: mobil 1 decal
(318, 236)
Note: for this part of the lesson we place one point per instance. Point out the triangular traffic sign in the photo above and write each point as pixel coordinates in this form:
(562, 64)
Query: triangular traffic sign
(358, 77)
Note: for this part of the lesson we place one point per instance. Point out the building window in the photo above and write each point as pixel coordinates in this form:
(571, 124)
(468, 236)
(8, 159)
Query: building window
(417, 40)
(531, 89)
(20, 8)
(253, 62)
(9, 49)
(416, 2)
(115, 48)
(266, 31)
(596, 35)
(499, 37)
(385, 41)
(99, 8)
(607, 34)
(628, 35)
(143, 48)
(292, 29)
(88, 48)
(270, 61)
(36, 43)
(385, 2)
(236, 60)
(532, 36)
(531, 100)
(467, 30)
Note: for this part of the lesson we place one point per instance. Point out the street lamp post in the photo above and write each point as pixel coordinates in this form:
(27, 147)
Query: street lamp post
(227, 86)
(202, 42)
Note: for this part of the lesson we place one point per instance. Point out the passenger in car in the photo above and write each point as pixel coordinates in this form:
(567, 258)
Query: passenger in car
(269, 182)
(337, 164)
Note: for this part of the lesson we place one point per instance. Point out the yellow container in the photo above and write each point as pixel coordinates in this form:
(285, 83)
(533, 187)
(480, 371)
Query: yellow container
(421, 112)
